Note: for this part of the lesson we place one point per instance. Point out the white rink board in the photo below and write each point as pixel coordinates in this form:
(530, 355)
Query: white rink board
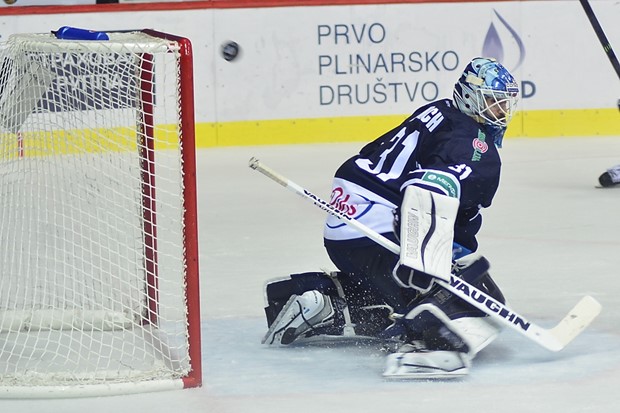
(292, 64)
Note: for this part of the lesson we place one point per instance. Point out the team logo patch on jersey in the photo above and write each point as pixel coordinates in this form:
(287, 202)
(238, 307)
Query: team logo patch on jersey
(480, 146)
(339, 200)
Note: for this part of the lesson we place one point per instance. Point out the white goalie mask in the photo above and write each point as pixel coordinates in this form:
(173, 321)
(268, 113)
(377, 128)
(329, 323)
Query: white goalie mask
(487, 92)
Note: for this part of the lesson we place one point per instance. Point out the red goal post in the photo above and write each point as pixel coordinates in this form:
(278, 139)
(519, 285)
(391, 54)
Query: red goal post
(99, 277)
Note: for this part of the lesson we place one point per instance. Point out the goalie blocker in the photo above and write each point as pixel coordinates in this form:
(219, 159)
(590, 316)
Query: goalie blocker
(425, 223)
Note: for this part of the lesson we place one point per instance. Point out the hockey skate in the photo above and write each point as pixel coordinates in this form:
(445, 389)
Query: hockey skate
(611, 177)
(413, 361)
(299, 316)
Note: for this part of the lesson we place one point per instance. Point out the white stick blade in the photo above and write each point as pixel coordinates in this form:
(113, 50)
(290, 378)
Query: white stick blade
(580, 317)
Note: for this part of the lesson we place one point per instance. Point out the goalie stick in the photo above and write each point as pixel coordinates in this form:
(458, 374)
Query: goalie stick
(601, 35)
(554, 339)
(598, 29)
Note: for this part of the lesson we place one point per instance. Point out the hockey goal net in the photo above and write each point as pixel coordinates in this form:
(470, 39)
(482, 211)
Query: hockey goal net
(98, 226)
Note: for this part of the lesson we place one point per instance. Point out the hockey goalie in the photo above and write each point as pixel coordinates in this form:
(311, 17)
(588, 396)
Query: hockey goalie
(422, 185)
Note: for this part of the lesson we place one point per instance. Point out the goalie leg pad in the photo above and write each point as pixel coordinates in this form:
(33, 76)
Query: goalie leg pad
(356, 313)
(299, 315)
(435, 348)
(278, 292)
(442, 320)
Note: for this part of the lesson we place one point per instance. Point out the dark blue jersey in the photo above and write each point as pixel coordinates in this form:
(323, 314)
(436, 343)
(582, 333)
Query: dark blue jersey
(437, 148)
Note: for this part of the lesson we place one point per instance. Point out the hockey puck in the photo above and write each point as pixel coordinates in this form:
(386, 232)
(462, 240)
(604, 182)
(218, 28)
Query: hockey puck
(230, 51)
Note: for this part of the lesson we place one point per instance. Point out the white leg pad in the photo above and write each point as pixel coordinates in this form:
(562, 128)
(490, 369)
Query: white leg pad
(476, 332)
(300, 314)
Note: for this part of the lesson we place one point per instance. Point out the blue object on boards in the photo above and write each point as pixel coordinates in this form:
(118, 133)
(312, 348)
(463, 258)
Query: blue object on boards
(74, 33)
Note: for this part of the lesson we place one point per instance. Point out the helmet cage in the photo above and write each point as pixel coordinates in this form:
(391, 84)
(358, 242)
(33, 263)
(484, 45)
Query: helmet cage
(487, 92)
(496, 107)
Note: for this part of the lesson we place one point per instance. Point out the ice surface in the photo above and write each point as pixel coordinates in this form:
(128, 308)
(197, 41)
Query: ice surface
(550, 236)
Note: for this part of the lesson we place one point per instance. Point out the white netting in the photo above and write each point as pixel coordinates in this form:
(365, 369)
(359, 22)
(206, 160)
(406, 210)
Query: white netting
(92, 255)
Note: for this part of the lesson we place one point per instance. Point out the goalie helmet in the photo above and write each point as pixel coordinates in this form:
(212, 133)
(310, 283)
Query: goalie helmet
(487, 92)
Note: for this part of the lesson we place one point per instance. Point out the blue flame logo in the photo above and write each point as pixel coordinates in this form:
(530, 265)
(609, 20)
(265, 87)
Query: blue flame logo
(494, 47)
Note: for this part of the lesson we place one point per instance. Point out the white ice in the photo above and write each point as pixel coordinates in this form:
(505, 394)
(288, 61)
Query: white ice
(551, 237)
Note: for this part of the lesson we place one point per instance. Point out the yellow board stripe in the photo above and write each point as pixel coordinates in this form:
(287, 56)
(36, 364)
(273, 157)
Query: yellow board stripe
(80, 141)
(573, 122)
(540, 123)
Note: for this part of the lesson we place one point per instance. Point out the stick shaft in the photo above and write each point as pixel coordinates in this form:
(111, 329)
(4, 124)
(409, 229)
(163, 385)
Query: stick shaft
(325, 206)
(553, 339)
(601, 35)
